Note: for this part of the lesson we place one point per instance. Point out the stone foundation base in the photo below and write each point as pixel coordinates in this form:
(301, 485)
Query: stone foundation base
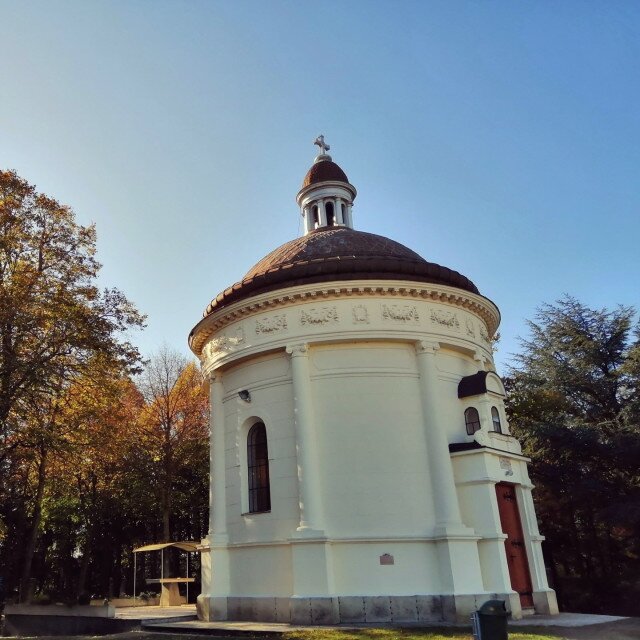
(354, 609)
(545, 602)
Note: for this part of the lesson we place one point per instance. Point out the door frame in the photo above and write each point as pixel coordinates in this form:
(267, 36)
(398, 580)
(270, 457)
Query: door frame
(526, 597)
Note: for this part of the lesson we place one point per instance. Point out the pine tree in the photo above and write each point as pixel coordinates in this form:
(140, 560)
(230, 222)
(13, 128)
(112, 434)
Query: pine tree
(574, 402)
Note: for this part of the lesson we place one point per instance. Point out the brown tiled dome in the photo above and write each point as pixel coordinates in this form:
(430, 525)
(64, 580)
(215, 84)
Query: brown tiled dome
(338, 253)
(324, 171)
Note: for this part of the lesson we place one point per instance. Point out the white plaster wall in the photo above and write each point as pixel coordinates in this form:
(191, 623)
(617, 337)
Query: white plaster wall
(357, 569)
(371, 440)
(261, 571)
(269, 380)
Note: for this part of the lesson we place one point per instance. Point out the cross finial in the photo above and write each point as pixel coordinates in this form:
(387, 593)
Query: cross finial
(324, 147)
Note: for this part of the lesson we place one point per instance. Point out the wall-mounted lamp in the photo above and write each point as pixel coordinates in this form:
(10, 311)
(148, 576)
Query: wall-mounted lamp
(244, 395)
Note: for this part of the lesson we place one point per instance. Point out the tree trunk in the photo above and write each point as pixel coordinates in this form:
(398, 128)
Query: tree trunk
(166, 524)
(84, 567)
(32, 537)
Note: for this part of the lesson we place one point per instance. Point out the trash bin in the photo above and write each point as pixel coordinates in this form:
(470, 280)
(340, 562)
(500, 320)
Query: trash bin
(490, 621)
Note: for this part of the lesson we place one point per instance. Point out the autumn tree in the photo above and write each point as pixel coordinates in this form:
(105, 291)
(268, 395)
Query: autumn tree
(174, 425)
(574, 402)
(53, 317)
(90, 467)
(100, 413)
(55, 323)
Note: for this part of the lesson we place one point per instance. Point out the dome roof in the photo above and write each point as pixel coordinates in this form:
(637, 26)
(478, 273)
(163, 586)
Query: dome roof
(324, 170)
(337, 253)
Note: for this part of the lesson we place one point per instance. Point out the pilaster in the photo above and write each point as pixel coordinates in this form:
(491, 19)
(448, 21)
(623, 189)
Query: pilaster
(218, 568)
(311, 519)
(445, 497)
(322, 213)
(217, 488)
(458, 557)
(338, 209)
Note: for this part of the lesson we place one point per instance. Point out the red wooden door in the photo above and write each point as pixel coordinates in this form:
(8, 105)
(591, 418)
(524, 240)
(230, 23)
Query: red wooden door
(514, 544)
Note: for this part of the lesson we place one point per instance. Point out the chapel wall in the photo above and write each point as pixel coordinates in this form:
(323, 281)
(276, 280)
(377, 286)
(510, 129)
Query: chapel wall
(357, 569)
(262, 571)
(372, 443)
(269, 380)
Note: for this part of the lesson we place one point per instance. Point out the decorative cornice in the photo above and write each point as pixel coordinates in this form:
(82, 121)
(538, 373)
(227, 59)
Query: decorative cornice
(477, 304)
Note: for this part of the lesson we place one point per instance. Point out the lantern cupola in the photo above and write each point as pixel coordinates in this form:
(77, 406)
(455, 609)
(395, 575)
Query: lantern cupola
(326, 198)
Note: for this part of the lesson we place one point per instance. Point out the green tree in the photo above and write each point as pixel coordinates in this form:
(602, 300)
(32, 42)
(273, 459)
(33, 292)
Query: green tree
(573, 401)
(55, 325)
(53, 317)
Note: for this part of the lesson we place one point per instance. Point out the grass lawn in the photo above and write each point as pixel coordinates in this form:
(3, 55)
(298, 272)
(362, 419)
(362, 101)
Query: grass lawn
(402, 634)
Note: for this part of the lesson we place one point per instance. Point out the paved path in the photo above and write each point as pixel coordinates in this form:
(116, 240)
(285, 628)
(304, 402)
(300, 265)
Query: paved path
(570, 625)
(565, 620)
(624, 629)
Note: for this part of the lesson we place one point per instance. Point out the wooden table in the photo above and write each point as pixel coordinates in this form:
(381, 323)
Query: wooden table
(170, 595)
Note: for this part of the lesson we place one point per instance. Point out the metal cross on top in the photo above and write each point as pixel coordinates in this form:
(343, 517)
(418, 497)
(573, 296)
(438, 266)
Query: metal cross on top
(324, 147)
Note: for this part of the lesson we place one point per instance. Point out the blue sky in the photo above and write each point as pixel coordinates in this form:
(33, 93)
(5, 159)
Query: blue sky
(501, 139)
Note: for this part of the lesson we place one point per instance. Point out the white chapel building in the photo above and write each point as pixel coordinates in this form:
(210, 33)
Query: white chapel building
(361, 464)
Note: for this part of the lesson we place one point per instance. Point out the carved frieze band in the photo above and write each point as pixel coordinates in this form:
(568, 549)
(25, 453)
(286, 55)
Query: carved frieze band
(445, 318)
(224, 343)
(471, 330)
(319, 315)
(360, 314)
(400, 312)
(271, 324)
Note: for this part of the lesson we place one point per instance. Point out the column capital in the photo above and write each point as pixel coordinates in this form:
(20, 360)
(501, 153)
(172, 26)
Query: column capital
(297, 350)
(426, 346)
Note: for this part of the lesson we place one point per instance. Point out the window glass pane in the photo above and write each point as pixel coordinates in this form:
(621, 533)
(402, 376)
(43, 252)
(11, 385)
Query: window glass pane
(495, 417)
(258, 469)
(472, 420)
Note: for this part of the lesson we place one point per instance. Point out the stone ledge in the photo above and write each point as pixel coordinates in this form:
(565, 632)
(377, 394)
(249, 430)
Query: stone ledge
(78, 610)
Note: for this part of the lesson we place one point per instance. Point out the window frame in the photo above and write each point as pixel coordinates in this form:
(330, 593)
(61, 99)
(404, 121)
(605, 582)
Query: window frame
(258, 478)
(474, 424)
(495, 417)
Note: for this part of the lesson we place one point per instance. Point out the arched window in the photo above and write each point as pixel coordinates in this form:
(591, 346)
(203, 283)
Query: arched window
(316, 220)
(472, 420)
(258, 468)
(495, 418)
(331, 216)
